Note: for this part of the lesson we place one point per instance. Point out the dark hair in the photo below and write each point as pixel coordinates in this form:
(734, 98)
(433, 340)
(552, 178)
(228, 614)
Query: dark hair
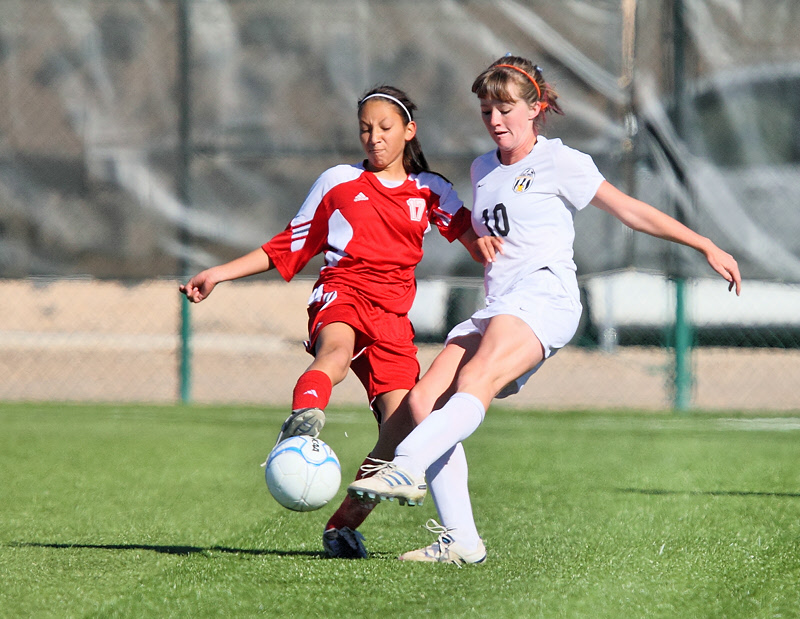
(494, 83)
(414, 160)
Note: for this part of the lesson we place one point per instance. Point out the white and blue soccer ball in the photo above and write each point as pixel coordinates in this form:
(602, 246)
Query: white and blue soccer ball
(303, 473)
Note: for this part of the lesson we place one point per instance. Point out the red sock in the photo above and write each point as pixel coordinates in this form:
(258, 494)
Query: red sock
(351, 513)
(313, 390)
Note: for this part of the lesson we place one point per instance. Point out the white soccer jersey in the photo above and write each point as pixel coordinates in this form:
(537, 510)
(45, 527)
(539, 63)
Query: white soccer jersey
(531, 205)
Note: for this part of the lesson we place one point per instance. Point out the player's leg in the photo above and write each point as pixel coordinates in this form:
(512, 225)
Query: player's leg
(427, 393)
(507, 350)
(340, 538)
(431, 390)
(458, 539)
(438, 383)
(333, 350)
(387, 368)
(395, 422)
(448, 477)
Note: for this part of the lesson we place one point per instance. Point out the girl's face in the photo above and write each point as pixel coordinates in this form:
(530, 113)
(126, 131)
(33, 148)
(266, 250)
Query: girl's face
(384, 135)
(511, 125)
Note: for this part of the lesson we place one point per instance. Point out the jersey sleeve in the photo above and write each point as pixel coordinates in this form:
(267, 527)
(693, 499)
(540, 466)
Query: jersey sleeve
(449, 214)
(579, 178)
(459, 224)
(304, 237)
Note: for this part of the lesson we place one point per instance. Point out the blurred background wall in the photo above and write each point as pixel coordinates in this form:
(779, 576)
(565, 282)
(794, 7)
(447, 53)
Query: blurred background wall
(143, 140)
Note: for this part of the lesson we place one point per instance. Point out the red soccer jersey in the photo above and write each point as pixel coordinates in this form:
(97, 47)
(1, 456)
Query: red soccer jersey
(371, 234)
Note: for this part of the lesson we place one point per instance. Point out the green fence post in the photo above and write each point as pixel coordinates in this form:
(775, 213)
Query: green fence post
(183, 186)
(682, 332)
(682, 338)
(186, 352)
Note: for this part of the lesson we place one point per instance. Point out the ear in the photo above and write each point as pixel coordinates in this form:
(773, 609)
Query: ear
(411, 130)
(536, 109)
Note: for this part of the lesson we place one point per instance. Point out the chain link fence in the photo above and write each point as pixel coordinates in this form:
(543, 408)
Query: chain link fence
(90, 340)
(141, 141)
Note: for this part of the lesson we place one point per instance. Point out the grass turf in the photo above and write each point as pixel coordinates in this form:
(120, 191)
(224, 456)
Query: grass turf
(163, 511)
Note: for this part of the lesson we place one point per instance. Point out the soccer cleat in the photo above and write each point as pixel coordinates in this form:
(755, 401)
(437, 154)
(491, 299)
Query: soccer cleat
(445, 549)
(344, 543)
(302, 422)
(387, 481)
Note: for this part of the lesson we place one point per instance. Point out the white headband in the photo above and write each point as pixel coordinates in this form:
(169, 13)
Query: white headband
(391, 98)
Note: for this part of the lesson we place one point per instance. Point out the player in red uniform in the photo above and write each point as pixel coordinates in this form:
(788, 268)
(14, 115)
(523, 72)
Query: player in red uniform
(368, 220)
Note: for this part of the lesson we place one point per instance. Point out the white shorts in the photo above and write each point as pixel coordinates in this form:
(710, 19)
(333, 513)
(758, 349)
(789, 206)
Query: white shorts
(546, 303)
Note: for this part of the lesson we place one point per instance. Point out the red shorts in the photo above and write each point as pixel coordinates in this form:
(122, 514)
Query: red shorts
(384, 356)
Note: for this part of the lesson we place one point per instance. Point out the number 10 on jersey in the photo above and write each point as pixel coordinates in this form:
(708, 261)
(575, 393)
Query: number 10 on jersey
(497, 222)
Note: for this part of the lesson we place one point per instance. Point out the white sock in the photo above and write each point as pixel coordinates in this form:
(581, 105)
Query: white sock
(447, 482)
(442, 430)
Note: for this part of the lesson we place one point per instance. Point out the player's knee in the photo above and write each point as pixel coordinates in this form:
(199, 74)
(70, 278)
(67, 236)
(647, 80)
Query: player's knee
(470, 376)
(335, 362)
(420, 403)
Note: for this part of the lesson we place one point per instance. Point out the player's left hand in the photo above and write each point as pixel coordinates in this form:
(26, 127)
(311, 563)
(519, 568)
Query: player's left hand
(725, 264)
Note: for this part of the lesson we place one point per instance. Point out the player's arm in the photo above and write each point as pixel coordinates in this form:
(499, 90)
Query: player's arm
(642, 217)
(459, 226)
(201, 285)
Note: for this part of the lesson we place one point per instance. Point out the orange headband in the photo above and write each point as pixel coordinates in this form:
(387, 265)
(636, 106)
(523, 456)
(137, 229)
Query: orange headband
(526, 74)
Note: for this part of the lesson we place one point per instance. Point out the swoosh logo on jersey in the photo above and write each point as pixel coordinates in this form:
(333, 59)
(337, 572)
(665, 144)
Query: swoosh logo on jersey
(360, 197)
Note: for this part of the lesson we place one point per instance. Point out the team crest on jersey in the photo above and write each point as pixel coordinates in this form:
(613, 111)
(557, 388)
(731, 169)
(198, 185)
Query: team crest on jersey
(524, 180)
(416, 208)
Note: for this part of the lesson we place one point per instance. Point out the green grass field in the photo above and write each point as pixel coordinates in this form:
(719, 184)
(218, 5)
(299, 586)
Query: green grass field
(148, 511)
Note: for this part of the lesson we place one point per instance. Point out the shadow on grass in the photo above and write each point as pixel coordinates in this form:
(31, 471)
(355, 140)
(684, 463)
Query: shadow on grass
(174, 550)
(656, 491)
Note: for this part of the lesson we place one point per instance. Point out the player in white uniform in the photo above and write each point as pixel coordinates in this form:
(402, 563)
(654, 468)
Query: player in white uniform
(530, 205)
(526, 193)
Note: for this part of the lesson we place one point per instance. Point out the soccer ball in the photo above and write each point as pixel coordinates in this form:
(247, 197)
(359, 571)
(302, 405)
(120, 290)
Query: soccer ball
(303, 473)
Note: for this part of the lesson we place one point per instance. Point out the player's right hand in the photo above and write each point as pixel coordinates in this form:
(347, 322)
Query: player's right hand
(198, 288)
(488, 247)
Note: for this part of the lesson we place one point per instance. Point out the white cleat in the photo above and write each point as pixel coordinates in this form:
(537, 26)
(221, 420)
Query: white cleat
(302, 422)
(387, 481)
(445, 549)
